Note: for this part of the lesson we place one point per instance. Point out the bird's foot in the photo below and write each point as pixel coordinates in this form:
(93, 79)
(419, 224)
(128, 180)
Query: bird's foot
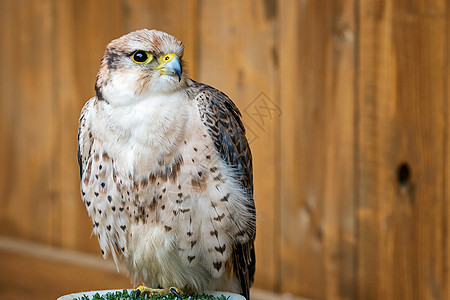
(142, 290)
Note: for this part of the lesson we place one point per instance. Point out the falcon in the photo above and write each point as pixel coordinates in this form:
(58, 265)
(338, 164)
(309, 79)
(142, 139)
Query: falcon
(166, 171)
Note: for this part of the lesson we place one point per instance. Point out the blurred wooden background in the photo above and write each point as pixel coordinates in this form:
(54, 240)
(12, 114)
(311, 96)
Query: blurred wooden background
(347, 109)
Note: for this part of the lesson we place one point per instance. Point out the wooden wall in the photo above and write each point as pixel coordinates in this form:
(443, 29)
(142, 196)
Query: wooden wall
(345, 102)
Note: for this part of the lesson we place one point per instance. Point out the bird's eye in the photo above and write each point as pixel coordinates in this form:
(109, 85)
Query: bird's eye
(141, 57)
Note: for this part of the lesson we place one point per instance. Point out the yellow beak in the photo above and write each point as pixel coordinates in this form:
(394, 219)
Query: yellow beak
(170, 64)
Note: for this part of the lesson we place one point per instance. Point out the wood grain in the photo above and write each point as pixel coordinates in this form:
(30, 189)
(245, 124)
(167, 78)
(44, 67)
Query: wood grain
(339, 219)
(241, 61)
(34, 271)
(317, 198)
(346, 106)
(27, 112)
(402, 101)
(302, 56)
(446, 162)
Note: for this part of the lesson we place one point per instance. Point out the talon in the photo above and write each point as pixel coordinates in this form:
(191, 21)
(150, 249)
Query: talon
(143, 290)
(176, 292)
(138, 291)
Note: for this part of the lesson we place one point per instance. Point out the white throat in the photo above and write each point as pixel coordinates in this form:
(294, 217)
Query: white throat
(124, 88)
(143, 130)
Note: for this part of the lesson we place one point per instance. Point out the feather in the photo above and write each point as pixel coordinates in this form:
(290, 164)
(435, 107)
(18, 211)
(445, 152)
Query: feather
(222, 119)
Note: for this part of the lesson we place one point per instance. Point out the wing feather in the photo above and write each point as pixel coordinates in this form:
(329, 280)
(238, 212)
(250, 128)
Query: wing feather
(99, 192)
(223, 121)
(84, 138)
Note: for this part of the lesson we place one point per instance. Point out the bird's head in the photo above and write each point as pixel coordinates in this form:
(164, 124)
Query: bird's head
(138, 64)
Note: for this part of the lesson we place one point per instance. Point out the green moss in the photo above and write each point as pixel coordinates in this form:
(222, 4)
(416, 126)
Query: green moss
(125, 295)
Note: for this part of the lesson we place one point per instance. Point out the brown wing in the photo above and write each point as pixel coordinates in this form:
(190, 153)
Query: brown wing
(223, 121)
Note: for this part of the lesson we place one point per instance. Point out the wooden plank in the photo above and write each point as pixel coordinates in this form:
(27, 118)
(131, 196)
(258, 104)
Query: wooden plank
(28, 197)
(7, 111)
(238, 54)
(302, 57)
(339, 219)
(34, 271)
(31, 270)
(402, 216)
(446, 292)
(317, 198)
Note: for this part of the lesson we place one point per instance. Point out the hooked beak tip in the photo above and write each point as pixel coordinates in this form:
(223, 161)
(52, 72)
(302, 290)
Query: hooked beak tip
(173, 67)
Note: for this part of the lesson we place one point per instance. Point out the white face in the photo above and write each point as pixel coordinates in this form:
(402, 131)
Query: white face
(139, 65)
(131, 85)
